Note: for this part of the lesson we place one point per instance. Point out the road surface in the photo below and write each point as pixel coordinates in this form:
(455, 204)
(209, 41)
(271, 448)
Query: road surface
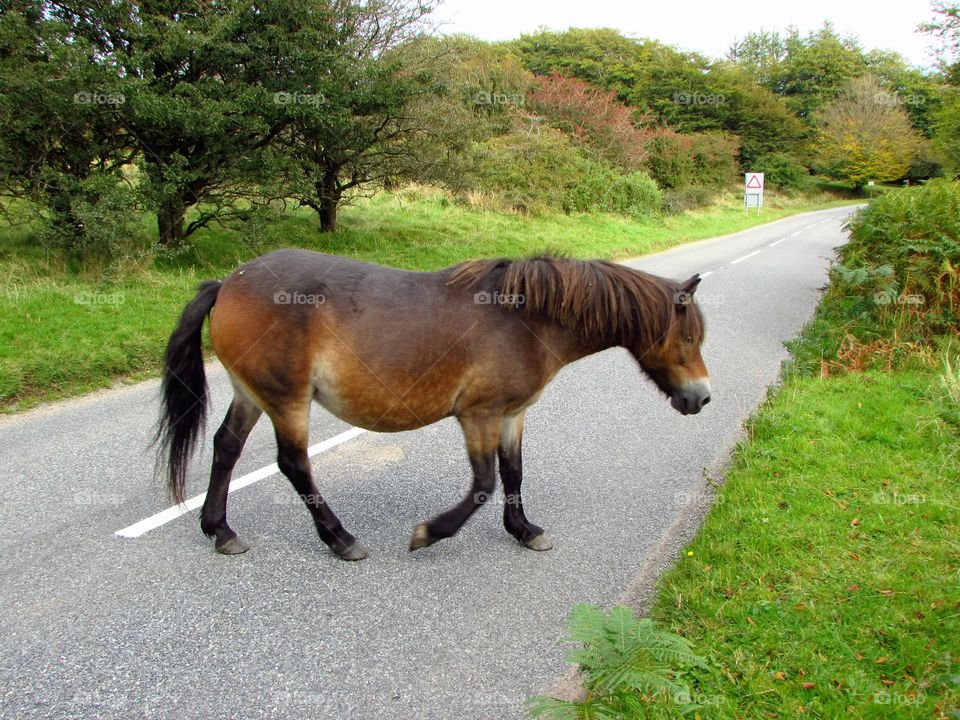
(96, 625)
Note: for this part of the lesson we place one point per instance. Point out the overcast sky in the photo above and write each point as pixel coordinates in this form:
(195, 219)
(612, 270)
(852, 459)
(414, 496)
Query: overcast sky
(701, 25)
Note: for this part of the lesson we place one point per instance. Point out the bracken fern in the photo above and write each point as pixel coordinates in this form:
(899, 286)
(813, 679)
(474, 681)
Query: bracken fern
(632, 669)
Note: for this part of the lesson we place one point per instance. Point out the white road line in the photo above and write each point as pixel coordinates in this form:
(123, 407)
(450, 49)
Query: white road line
(708, 272)
(172, 513)
(777, 242)
(811, 225)
(796, 233)
(734, 262)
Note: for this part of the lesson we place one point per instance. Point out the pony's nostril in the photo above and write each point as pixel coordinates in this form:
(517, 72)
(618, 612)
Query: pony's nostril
(705, 401)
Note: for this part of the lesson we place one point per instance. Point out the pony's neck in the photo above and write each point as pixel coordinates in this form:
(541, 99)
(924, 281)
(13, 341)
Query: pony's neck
(567, 345)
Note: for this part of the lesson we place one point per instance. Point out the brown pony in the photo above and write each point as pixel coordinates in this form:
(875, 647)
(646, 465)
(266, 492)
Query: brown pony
(391, 350)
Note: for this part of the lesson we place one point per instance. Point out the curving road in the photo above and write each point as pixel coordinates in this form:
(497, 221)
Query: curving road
(159, 626)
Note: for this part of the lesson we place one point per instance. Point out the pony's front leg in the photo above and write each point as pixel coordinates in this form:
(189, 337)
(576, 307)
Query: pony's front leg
(482, 433)
(511, 472)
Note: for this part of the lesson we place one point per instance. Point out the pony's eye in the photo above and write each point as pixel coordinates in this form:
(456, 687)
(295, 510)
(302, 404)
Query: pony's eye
(689, 340)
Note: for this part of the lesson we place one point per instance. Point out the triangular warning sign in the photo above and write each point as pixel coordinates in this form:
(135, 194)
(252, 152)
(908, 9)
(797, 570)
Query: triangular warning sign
(754, 183)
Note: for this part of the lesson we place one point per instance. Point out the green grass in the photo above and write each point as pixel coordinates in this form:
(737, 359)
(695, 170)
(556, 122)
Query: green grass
(65, 332)
(825, 582)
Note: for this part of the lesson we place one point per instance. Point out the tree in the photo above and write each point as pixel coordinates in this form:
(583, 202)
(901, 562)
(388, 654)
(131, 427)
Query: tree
(862, 139)
(685, 91)
(760, 55)
(62, 146)
(946, 27)
(917, 92)
(946, 121)
(385, 114)
(815, 68)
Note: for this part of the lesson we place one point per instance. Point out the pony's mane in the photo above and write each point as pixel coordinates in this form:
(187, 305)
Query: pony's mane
(601, 300)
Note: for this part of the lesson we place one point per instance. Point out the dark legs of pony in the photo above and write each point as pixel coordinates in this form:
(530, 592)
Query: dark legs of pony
(511, 473)
(487, 436)
(481, 431)
(227, 445)
(294, 463)
(291, 424)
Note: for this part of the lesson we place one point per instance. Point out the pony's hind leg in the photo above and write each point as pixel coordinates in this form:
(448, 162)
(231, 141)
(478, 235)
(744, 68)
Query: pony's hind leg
(481, 430)
(291, 430)
(227, 445)
(511, 472)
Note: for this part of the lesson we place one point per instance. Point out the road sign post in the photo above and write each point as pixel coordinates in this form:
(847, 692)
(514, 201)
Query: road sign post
(753, 191)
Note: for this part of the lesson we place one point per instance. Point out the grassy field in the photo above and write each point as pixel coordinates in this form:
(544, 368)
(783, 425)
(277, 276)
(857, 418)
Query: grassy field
(66, 332)
(825, 582)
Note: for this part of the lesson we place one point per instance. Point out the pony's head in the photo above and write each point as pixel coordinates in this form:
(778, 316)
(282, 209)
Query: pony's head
(608, 305)
(673, 359)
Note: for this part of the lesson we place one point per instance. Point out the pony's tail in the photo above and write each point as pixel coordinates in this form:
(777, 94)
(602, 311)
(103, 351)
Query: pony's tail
(183, 410)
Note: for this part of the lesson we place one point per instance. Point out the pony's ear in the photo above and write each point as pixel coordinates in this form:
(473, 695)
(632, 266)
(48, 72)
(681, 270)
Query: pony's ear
(687, 288)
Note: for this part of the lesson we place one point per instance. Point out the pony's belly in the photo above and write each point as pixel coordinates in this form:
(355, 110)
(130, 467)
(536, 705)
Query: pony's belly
(382, 402)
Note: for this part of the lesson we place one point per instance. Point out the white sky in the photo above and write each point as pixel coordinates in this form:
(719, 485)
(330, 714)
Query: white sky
(701, 25)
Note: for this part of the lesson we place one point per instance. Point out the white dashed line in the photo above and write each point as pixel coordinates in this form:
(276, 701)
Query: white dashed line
(796, 233)
(777, 242)
(172, 513)
(708, 272)
(734, 262)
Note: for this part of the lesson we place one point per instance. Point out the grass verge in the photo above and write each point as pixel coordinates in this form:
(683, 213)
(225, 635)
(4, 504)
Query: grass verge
(65, 333)
(825, 580)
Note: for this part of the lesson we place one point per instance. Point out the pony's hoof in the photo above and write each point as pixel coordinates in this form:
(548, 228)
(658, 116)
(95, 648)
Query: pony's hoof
(352, 552)
(420, 537)
(233, 546)
(539, 542)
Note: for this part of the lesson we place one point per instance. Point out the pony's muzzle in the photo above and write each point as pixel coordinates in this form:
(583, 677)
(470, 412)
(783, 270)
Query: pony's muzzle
(690, 399)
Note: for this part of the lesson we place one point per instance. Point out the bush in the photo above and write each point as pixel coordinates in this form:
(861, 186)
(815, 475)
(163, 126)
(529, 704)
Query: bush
(782, 171)
(94, 220)
(705, 159)
(529, 171)
(896, 291)
(916, 233)
(533, 172)
(681, 200)
(603, 188)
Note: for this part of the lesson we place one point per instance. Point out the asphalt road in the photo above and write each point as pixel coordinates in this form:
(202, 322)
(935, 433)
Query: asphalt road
(160, 626)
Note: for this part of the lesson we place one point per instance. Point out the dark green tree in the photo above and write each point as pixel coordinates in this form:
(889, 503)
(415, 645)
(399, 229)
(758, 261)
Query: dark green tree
(62, 146)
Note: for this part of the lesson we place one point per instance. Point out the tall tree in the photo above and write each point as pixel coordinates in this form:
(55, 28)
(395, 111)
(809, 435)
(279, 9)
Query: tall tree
(862, 139)
(816, 67)
(946, 121)
(61, 144)
(380, 116)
